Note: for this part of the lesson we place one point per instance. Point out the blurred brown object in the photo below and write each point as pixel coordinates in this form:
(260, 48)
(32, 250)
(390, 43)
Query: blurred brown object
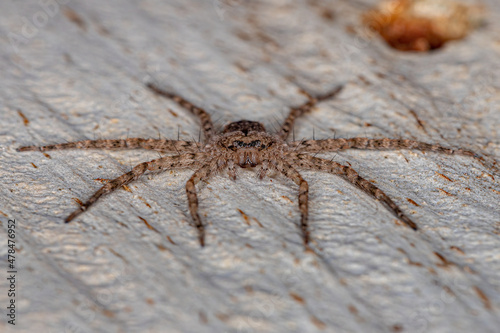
(423, 25)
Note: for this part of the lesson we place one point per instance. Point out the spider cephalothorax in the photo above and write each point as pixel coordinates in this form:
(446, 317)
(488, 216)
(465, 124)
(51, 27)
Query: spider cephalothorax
(247, 144)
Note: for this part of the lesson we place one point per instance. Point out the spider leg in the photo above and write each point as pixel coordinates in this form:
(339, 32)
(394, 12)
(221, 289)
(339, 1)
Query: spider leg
(171, 146)
(167, 162)
(231, 169)
(303, 109)
(264, 167)
(329, 145)
(206, 121)
(290, 172)
(203, 173)
(348, 173)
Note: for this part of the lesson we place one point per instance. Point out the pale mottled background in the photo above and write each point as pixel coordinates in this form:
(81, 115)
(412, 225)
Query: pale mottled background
(78, 70)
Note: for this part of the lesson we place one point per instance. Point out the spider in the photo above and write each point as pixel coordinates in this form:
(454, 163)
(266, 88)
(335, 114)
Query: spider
(247, 144)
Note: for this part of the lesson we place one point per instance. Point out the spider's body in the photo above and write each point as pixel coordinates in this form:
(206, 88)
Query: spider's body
(246, 144)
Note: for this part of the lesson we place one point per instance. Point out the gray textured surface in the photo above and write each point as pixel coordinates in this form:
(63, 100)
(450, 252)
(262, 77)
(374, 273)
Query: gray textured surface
(83, 77)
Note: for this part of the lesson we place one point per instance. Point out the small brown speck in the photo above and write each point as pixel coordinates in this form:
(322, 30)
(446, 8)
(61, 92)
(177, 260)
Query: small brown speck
(242, 68)
(397, 328)
(147, 224)
(173, 113)
(161, 247)
(420, 123)
(328, 14)
(118, 255)
(203, 317)
(444, 262)
(489, 175)
(47, 155)
(245, 216)
(243, 36)
(103, 30)
(297, 298)
(108, 313)
(412, 202)
(483, 297)
(34, 166)
(222, 317)
(447, 193)
(415, 263)
(457, 249)
(78, 201)
(150, 301)
(144, 201)
(171, 241)
(350, 29)
(353, 309)
(75, 18)
(318, 323)
(25, 120)
(440, 174)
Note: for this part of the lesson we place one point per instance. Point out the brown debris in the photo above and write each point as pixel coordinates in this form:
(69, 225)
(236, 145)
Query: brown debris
(422, 25)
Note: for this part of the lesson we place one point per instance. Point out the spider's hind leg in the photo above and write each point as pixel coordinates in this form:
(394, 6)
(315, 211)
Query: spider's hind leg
(348, 173)
(290, 172)
(200, 174)
(167, 162)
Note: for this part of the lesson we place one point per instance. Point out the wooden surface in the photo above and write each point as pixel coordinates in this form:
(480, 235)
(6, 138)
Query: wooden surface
(81, 74)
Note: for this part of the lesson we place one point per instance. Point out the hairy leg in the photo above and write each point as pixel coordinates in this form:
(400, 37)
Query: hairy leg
(170, 146)
(301, 110)
(206, 122)
(290, 172)
(168, 162)
(200, 174)
(348, 173)
(329, 145)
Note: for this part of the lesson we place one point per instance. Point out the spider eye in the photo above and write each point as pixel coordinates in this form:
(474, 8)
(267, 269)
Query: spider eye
(255, 143)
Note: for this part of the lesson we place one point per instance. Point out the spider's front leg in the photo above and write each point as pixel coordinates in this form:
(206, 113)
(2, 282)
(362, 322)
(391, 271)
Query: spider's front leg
(164, 163)
(303, 109)
(348, 173)
(332, 145)
(206, 121)
(171, 146)
(290, 172)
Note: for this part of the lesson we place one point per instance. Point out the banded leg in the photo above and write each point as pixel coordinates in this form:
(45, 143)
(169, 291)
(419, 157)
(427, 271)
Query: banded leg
(348, 173)
(170, 146)
(303, 109)
(168, 162)
(206, 122)
(290, 172)
(200, 174)
(330, 145)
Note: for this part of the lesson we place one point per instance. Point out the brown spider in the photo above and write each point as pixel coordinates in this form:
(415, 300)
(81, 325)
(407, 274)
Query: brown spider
(247, 144)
